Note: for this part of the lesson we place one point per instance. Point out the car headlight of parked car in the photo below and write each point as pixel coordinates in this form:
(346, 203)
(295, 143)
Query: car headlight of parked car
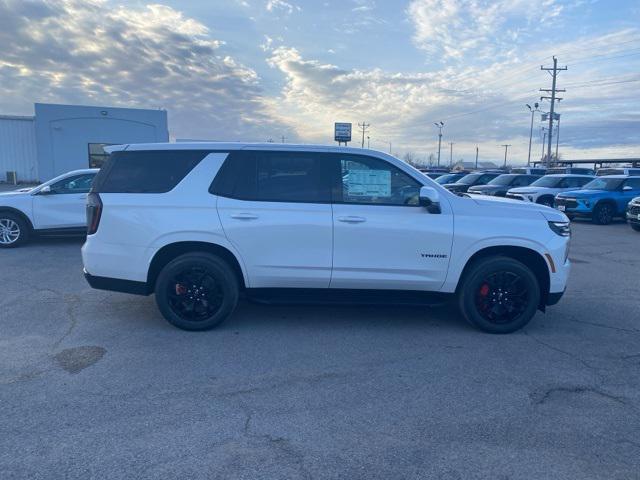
(584, 202)
(561, 228)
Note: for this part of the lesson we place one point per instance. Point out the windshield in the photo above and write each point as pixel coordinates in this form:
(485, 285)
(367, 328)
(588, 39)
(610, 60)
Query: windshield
(549, 182)
(502, 180)
(469, 179)
(447, 178)
(604, 184)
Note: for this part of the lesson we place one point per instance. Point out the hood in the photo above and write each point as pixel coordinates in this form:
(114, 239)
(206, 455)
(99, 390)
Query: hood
(514, 206)
(15, 193)
(455, 186)
(583, 193)
(487, 188)
(527, 189)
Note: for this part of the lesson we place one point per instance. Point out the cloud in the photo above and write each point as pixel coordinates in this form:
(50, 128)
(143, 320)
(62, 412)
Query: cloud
(88, 51)
(281, 5)
(453, 28)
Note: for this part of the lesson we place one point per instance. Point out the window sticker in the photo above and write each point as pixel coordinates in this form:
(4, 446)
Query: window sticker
(368, 183)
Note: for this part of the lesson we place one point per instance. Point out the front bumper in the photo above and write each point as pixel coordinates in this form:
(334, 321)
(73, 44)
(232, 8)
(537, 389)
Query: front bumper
(554, 297)
(577, 209)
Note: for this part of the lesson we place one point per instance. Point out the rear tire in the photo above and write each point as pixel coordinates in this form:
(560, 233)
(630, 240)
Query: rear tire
(14, 231)
(636, 227)
(499, 295)
(197, 291)
(603, 214)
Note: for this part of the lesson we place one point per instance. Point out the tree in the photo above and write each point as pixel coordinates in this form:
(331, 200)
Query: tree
(410, 158)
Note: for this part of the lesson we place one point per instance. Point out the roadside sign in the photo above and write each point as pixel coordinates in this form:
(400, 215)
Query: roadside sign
(342, 132)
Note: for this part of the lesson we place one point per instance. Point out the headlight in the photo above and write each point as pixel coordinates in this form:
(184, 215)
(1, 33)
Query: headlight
(586, 203)
(561, 228)
(530, 198)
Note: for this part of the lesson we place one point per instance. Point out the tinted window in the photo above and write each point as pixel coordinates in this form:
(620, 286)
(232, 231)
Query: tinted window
(548, 182)
(156, 171)
(604, 183)
(276, 177)
(75, 184)
(633, 183)
(469, 179)
(574, 182)
(503, 180)
(374, 181)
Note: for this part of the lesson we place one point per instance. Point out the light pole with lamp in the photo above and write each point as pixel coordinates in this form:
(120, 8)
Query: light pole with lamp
(440, 125)
(533, 111)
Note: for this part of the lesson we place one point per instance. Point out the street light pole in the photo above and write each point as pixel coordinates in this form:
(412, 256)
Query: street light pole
(533, 111)
(544, 139)
(557, 136)
(451, 155)
(439, 125)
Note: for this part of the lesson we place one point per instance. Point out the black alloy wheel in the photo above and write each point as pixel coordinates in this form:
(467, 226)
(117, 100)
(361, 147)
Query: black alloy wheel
(197, 291)
(603, 214)
(499, 294)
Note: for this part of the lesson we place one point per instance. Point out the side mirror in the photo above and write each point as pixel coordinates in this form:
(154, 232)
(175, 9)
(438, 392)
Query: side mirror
(430, 199)
(627, 188)
(46, 190)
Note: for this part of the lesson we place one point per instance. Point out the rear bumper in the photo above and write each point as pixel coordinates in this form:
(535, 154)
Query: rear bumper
(117, 285)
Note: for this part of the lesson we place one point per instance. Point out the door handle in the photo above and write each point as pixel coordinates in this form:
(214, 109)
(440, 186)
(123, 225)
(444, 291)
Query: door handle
(244, 216)
(352, 219)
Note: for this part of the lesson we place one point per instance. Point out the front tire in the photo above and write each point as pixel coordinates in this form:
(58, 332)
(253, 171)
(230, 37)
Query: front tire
(14, 231)
(499, 295)
(197, 291)
(603, 214)
(546, 201)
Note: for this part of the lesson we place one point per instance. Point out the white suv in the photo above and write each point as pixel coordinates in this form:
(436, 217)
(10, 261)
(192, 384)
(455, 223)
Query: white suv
(56, 207)
(199, 224)
(545, 189)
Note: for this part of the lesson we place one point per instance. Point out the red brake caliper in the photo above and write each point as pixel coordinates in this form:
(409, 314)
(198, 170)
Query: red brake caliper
(180, 289)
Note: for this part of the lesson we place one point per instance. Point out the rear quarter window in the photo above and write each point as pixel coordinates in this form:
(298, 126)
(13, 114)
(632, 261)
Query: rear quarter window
(154, 171)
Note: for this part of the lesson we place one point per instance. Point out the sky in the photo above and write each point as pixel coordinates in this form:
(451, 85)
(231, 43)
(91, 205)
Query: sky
(254, 70)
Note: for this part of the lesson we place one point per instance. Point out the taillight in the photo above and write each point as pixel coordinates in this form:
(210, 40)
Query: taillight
(94, 211)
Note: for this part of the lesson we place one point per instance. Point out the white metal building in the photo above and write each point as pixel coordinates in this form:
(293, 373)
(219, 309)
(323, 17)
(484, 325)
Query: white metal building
(59, 138)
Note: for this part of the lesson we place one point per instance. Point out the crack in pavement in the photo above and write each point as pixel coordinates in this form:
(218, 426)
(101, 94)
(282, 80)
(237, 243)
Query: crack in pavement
(564, 352)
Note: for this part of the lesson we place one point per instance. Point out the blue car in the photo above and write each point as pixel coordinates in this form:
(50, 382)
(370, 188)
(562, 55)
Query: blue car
(602, 199)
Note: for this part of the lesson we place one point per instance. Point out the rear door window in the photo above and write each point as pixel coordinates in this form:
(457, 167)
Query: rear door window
(276, 177)
(154, 171)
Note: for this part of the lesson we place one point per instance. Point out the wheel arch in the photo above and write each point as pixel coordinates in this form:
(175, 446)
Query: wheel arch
(173, 250)
(527, 256)
(20, 214)
(545, 196)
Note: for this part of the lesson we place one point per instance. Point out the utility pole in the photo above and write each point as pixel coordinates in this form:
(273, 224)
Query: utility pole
(368, 142)
(364, 126)
(440, 125)
(553, 99)
(505, 154)
(544, 137)
(283, 138)
(476, 157)
(533, 111)
(451, 155)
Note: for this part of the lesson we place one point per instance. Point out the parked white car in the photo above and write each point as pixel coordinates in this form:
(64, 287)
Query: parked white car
(544, 190)
(197, 224)
(56, 207)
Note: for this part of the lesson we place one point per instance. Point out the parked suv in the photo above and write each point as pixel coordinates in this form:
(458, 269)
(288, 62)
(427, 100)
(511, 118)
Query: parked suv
(544, 190)
(197, 224)
(633, 214)
(499, 186)
(602, 199)
(476, 178)
(56, 207)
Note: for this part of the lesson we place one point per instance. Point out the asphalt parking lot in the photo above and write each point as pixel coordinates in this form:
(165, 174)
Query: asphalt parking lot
(97, 385)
